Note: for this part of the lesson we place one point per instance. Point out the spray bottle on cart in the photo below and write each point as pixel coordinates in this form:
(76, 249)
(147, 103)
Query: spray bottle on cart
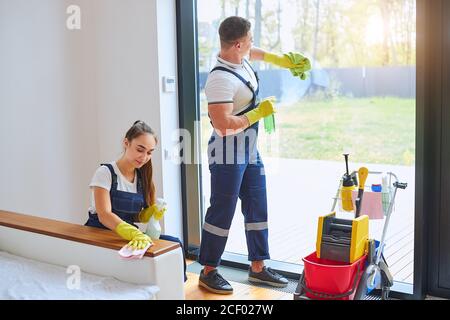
(348, 185)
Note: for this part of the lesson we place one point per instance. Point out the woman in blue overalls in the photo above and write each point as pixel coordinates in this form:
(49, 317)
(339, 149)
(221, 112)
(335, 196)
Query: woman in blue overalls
(123, 189)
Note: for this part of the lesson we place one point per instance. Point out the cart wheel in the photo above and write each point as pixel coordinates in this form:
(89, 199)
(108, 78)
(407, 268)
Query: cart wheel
(385, 293)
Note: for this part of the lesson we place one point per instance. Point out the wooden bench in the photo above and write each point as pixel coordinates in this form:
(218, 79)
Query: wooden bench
(94, 250)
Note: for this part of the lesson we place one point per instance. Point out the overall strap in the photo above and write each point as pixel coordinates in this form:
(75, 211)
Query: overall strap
(256, 75)
(247, 83)
(237, 75)
(113, 175)
(250, 108)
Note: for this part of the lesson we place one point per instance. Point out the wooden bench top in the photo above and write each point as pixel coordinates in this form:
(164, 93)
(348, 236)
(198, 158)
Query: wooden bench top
(74, 232)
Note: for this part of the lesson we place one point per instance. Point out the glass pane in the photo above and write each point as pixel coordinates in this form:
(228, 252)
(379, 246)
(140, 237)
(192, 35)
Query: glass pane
(359, 98)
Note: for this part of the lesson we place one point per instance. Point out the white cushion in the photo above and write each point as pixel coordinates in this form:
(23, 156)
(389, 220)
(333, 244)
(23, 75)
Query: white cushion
(22, 278)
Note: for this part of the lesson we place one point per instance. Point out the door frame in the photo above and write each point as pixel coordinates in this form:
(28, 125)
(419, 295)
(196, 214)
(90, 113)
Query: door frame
(189, 116)
(437, 145)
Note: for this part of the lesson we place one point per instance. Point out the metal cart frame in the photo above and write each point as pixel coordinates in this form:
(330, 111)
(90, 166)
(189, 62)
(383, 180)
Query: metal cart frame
(376, 275)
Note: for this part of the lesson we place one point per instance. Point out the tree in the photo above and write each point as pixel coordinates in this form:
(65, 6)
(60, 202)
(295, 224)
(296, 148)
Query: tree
(257, 29)
(258, 17)
(316, 29)
(271, 35)
(333, 32)
(304, 22)
(236, 5)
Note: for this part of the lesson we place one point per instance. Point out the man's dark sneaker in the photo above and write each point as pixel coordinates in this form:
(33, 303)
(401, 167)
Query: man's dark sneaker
(214, 282)
(267, 276)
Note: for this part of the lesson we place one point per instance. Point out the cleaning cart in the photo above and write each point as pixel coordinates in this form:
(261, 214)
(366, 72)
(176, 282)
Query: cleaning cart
(338, 269)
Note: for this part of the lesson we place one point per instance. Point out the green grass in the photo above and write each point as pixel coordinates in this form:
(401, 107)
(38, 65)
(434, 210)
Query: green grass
(374, 130)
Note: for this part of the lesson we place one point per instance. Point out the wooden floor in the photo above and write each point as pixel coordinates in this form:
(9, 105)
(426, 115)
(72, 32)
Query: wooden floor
(241, 291)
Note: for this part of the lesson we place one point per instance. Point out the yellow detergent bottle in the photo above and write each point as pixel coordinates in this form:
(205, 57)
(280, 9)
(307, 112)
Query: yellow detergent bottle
(346, 196)
(348, 185)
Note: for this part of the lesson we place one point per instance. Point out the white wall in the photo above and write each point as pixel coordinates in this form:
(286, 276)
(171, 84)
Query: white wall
(67, 98)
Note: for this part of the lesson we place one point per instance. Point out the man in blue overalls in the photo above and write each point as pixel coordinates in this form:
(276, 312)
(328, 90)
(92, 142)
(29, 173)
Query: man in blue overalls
(237, 170)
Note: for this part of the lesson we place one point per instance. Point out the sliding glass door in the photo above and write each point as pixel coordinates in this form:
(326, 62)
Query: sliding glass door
(360, 98)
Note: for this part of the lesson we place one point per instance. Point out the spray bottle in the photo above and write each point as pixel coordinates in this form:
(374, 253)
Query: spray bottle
(153, 227)
(269, 121)
(348, 185)
(269, 124)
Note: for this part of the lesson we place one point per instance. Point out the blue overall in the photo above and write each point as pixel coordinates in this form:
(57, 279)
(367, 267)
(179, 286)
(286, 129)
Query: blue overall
(242, 178)
(126, 205)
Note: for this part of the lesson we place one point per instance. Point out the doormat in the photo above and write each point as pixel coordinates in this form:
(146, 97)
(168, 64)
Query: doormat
(241, 276)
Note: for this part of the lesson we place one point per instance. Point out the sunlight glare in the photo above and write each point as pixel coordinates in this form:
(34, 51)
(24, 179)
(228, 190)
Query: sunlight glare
(374, 30)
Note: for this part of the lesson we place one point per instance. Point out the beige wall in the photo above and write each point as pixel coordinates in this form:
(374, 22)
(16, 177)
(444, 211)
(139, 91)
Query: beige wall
(68, 96)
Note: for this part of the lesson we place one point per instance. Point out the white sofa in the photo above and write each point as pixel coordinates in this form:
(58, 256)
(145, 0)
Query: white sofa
(27, 279)
(159, 274)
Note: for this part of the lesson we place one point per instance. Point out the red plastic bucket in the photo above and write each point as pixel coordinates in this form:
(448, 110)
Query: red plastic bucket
(328, 279)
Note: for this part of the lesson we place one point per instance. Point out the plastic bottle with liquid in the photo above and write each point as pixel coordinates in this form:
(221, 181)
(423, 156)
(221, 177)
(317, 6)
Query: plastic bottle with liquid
(385, 196)
(154, 227)
(269, 124)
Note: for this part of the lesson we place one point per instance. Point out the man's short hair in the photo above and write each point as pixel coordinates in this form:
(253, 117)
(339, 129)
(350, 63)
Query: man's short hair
(233, 28)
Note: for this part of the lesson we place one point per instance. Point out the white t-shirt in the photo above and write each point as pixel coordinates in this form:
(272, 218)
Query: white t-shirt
(223, 87)
(102, 178)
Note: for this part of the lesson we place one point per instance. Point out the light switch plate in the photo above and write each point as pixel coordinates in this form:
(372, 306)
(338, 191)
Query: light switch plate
(169, 84)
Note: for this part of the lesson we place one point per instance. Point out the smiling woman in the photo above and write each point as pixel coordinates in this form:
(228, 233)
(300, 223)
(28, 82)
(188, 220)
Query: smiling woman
(132, 173)
(123, 192)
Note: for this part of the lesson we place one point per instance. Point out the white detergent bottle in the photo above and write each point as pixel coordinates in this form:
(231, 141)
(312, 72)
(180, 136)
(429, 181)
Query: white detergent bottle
(385, 197)
(153, 227)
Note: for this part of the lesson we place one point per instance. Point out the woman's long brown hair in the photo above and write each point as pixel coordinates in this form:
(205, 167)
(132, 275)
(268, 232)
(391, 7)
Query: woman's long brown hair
(139, 128)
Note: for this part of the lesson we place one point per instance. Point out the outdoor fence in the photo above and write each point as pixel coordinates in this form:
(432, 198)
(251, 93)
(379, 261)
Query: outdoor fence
(352, 82)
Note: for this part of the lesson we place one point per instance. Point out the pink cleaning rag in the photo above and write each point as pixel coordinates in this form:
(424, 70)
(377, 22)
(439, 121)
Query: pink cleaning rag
(371, 204)
(130, 254)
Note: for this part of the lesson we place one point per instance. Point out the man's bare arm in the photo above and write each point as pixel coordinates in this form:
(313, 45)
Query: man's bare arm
(224, 122)
(257, 54)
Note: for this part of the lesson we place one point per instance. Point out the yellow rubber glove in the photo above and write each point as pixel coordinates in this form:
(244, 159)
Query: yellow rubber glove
(279, 60)
(156, 210)
(302, 65)
(265, 109)
(146, 214)
(159, 213)
(138, 240)
(295, 62)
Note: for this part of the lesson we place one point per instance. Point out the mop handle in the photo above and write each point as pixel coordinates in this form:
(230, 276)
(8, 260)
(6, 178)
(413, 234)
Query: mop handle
(337, 196)
(388, 217)
(380, 249)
